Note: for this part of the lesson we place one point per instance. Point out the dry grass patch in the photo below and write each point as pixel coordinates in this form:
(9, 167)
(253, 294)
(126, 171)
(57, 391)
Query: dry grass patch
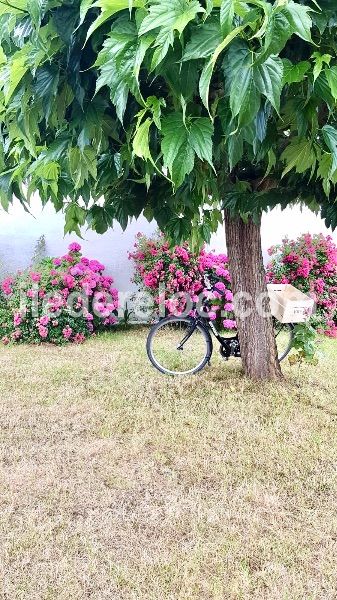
(120, 483)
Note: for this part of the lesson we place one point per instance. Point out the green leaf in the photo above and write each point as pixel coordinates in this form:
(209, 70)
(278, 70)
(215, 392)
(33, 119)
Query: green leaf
(74, 218)
(226, 16)
(235, 149)
(299, 19)
(189, 75)
(3, 58)
(278, 32)
(109, 9)
(205, 82)
(183, 164)
(320, 59)
(35, 9)
(45, 86)
(144, 44)
(203, 41)
(167, 16)
(82, 164)
(155, 105)
(174, 137)
(200, 138)
(123, 33)
(207, 72)
(179, 229)
(268, 79)
(244, 95)
(294, 73)
(330, 138)
(48, 173)
(141, 140)
(170, 15)
(117, 69)
(17, 68)
(298, 155)
(19, 7)
(84, 7)
(322, 89)
(331, 75)
(164, 40)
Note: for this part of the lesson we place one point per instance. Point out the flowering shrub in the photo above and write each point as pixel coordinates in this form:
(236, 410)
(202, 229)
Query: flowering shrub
(310, 264)
(62, 300)
(169, 274)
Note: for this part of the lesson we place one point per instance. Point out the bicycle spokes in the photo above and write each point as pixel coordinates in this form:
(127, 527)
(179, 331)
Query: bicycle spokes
(178, 347)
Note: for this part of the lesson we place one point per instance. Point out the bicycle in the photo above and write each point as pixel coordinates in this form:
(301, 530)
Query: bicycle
(184, 346)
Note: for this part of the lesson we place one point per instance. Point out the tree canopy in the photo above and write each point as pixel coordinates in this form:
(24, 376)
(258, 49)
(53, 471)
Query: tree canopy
(175, 107)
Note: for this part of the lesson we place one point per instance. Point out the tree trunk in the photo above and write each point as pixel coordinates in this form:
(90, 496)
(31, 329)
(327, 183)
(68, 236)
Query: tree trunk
(255, 330)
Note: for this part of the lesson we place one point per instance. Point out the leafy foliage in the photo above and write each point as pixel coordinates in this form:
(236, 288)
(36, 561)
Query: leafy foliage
(61, 300)
(176, 107)
(177, 279)
(310, 264)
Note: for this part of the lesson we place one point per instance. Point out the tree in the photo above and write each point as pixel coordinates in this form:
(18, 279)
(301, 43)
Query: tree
(187, 110)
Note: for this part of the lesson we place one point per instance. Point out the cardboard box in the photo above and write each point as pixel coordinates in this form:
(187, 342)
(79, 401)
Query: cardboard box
(288, 304)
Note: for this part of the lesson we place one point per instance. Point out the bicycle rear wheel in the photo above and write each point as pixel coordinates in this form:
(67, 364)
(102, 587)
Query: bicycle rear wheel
(284, 335)
(179, 346)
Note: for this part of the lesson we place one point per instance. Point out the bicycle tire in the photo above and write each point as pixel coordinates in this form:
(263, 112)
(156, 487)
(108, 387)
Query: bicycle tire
(289, 328)
(178, 320)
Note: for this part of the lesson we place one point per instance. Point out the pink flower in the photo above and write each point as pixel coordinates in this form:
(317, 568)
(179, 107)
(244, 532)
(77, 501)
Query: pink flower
(68, 258)
(79, 338)
(290, 258)
(110, 321)
(31, 293)
(69, 281)
(67, 331)
(229, 307)
(212, 315)
(101, 309)
(6, 286)
(74, 247)
(43, 331)
(36, 277)
(44, 320)
(96, 266)
(57, 262)
(76, 270)
(229, 324)
(222, 272)
(5, 340)
(17, 320)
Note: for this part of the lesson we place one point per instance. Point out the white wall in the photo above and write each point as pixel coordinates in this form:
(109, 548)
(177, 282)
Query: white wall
(19, 232)
(279, 224)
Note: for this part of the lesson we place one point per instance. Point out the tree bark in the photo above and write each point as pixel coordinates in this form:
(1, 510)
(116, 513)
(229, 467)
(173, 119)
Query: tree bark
(255, 330)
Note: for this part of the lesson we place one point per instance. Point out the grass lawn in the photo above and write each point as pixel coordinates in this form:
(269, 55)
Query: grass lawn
(120, 483)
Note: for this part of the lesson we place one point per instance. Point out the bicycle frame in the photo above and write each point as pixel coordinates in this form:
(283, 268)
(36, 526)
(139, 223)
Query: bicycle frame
(229, 346)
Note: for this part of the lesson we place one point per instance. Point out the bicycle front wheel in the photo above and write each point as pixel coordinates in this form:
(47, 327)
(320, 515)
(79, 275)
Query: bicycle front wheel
(179, 346)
